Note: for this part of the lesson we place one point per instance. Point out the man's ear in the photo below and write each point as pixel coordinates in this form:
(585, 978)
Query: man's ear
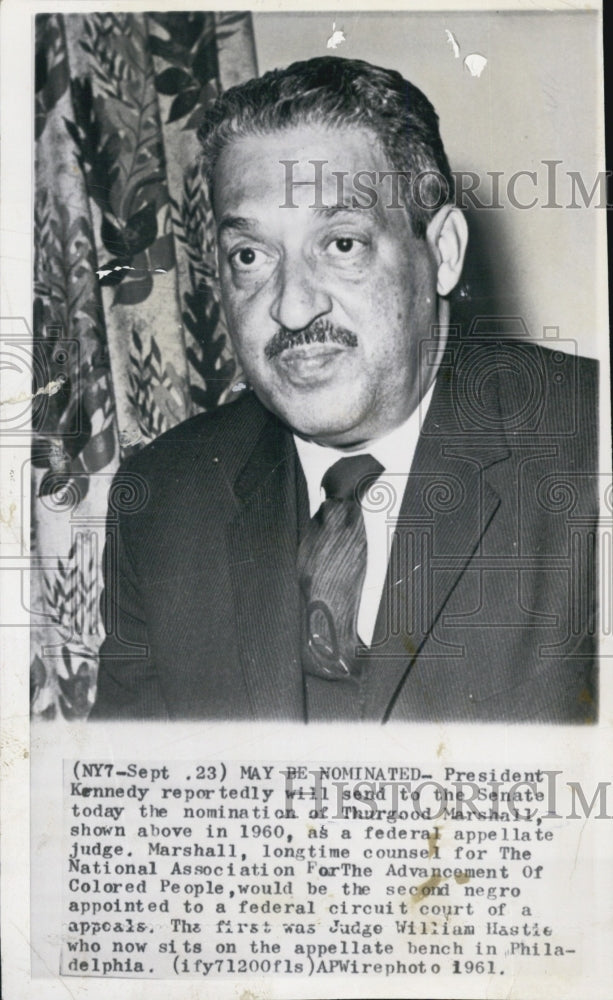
(447, 235)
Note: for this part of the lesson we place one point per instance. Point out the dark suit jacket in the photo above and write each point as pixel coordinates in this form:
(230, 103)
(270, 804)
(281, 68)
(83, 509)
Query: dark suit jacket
(488, 608)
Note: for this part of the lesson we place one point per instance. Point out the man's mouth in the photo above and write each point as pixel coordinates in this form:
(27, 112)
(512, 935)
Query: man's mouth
(314, 353)
(309, 363)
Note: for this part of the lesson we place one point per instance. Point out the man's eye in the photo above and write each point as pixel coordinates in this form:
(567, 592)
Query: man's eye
(345, 246)
(246, 258)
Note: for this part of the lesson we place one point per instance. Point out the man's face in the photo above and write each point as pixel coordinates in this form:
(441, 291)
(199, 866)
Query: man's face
(326, 306)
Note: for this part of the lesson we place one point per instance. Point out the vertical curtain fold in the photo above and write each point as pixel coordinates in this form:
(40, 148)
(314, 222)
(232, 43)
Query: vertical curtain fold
(129, 335)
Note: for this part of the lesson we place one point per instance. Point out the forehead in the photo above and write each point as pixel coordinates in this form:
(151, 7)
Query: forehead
(295, 166)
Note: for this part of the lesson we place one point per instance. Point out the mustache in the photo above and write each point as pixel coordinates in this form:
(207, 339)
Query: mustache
(320, 331)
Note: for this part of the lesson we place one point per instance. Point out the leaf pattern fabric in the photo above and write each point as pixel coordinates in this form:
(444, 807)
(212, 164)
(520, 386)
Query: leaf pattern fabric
(128, 328)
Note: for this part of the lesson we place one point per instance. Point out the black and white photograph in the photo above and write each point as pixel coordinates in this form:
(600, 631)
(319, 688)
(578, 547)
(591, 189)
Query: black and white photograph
(307, 500)
(353, 482)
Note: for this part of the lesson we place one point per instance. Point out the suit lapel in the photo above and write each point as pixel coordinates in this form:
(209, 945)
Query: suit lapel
(446, 510)
(262, 545)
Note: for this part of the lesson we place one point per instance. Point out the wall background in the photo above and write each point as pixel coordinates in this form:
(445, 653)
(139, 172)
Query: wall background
(537, 99)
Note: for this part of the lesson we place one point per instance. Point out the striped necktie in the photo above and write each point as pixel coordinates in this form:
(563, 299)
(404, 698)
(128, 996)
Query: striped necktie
(331, 569)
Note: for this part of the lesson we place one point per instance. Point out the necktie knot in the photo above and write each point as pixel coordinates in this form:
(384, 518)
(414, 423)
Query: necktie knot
(349, 478)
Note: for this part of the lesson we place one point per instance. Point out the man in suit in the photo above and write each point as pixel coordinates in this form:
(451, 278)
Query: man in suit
(394, 522)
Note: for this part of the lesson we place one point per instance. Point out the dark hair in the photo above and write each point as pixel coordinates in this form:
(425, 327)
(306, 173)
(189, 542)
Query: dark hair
(332, 91)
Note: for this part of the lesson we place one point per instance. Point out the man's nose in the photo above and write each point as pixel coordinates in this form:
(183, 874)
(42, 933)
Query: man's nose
(299, 298)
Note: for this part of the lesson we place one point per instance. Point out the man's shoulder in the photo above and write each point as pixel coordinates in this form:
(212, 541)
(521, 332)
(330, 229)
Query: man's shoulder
(547, 355)
(531, 378)
(561, 374)
(551, 357)
(518, 392)
(231, 428)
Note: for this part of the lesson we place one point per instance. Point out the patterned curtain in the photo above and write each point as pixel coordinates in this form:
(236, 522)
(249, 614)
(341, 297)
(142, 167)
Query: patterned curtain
(129, 338)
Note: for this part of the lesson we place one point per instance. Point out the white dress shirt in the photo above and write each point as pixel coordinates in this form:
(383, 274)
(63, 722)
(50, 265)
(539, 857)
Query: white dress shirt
(380, 505)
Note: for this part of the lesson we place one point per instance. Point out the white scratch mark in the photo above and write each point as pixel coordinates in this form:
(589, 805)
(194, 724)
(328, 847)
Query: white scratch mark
(336, 38)
(49, 390)
(239, 387)
(475, 64)
(103, 271)
(451, 38)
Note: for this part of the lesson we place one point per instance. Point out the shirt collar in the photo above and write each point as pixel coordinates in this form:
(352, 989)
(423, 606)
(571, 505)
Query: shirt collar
(394, 451)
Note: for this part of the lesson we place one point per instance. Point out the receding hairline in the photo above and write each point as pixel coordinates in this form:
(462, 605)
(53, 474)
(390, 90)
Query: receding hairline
(263, 131)
(338, 94)
(236, 131)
